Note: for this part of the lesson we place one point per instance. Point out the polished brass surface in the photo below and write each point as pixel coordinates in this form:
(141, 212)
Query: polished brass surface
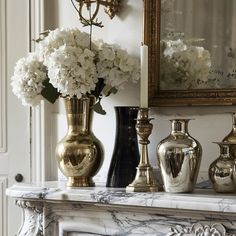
(79, 154)
(231, 137)
(222, 170)
(112, 7)
(144, 180)
(157, 97)
(179, 157)
(80, 182)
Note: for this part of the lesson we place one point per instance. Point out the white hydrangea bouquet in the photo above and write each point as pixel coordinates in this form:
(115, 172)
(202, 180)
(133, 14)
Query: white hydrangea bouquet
(67, 63)
(183, 66)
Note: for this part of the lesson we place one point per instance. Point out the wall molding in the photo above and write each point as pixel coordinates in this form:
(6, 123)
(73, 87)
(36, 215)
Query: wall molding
(41, 115)
(3, 100)
(37, 121)
(3, 206)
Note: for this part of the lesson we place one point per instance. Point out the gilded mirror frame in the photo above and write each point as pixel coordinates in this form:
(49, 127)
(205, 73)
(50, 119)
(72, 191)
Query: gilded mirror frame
(156, 97)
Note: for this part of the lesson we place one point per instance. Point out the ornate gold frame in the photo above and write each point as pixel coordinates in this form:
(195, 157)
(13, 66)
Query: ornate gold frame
(157, 97)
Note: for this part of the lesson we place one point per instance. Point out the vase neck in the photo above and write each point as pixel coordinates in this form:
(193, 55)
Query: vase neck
(224, 149)
(79, 114)
(234, 121)
(179, 126)
(126, 115)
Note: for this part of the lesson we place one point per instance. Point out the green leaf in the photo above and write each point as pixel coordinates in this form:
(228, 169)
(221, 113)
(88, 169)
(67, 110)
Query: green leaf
(37, 40)
(97, 107)
(41, 36)
(108, 90)
(49, 92)
(45, 33)
(113, 90)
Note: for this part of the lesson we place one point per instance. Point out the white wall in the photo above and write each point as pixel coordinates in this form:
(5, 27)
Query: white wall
(210, 124)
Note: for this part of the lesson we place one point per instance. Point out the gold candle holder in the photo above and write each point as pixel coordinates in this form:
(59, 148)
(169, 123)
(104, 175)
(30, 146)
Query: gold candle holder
(144, 180)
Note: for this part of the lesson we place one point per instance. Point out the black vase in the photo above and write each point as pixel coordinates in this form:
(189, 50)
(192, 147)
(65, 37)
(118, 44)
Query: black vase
(125, 157)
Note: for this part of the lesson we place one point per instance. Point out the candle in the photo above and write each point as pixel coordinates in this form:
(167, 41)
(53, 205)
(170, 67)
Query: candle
(144, 77)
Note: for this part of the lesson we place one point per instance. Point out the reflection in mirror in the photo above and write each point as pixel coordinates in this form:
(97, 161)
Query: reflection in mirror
(198, 44)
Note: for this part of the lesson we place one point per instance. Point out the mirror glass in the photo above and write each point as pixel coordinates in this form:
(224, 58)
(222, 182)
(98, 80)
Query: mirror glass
(198, 44)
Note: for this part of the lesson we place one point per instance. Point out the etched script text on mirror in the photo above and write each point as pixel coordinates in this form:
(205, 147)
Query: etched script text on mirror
(198, 44)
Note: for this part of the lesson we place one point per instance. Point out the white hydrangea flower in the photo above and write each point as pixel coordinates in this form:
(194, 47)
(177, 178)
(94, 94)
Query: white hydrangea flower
(59, 37)
(65, 58)
(28, 78)
(72, 70)
(116, 66)
(183, 66)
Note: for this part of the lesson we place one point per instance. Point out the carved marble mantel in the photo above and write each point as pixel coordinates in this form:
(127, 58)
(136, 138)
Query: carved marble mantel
(51, 209)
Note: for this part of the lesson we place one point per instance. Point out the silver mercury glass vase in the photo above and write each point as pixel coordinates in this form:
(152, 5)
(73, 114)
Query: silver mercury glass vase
(179, 157)
(231, 137)
(221, 171)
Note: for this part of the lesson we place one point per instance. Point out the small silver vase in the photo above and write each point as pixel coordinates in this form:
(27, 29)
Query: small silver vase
(231, 137)
(179, 157)
(221, 171)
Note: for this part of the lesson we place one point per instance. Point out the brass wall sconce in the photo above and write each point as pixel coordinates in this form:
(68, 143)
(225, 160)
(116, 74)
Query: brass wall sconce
(112, 7)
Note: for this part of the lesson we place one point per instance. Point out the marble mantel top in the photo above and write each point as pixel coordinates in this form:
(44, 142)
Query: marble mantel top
(200, 200)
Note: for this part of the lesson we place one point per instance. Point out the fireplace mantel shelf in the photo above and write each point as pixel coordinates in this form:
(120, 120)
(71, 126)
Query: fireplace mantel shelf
(201, 199)
(117, 209)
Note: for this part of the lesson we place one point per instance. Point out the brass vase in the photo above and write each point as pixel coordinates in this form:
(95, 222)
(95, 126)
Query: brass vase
(79, 154)
(179, 157)
(231, 137)
(221, 171)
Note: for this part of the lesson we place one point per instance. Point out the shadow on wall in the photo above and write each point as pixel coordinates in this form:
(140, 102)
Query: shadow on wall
(51, 20)
(125, 10)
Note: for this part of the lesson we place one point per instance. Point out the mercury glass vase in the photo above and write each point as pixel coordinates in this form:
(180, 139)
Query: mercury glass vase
(221, 171)
(231, 137)
(79, 154)
(125, 157)
(179, 157)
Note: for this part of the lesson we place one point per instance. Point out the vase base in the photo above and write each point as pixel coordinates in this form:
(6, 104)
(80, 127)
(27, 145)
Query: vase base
(144, 181)
(147, 188)
(80, 182)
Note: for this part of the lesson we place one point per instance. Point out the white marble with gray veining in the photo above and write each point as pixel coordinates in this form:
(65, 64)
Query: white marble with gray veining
(201, 199)
(95, 221)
